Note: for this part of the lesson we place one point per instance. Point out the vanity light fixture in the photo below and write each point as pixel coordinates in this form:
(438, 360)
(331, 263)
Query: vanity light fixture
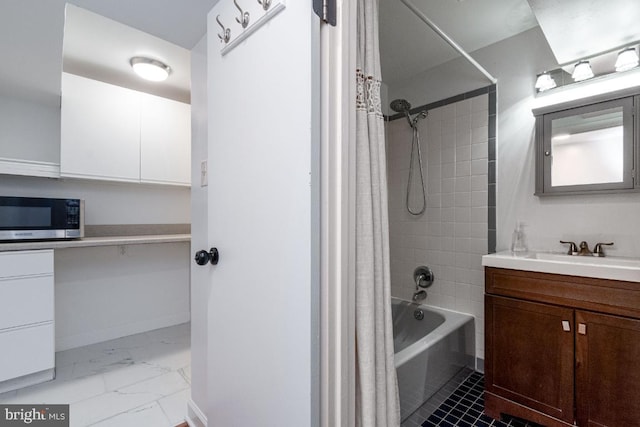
(150, 69)
(627, 59)
(582, 71)
(545, 82)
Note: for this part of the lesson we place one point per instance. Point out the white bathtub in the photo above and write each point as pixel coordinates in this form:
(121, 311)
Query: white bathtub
(429, 352)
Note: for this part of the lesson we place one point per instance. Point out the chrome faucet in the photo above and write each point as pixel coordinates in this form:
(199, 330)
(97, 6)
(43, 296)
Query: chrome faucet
(423, 277)
(584, 249)
(598, 250)
(573, 249)
(419, 295)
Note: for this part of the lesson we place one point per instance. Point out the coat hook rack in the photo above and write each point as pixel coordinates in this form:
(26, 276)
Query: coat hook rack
(225, 35)
(244, 16)
(266, 4)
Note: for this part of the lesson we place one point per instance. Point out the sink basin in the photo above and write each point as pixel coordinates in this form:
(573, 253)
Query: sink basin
(591, 260)
(614, 268)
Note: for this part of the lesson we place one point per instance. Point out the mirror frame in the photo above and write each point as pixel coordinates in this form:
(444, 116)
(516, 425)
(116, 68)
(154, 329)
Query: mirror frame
(629, 100)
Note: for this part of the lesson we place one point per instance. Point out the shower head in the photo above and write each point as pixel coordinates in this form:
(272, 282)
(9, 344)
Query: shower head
(400, 106)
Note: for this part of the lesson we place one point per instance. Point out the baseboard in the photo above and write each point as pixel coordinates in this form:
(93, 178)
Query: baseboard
(27, 380)
(480, 365)
(119, 331)
(195, 417)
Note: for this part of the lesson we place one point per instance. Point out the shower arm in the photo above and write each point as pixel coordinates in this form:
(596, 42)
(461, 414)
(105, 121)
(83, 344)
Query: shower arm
(446, 38)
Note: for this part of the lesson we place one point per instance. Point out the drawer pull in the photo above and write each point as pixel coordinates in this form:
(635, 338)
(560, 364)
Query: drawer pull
(566, 326)
(582, 329)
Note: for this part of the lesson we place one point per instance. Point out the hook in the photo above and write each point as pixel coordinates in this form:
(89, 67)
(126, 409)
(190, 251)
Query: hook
(266, 4)
(225, 35)
(244, 16)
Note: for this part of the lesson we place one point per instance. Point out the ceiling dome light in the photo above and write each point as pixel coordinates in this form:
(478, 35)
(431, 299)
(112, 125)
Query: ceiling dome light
(627, 59)
(582, 71)
(150, 69)
(545, 82)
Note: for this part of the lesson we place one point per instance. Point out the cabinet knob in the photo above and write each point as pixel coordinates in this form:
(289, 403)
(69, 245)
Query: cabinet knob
(566, 326)
(582, 329)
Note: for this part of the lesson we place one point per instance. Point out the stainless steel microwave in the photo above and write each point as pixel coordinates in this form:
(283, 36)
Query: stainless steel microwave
(30, 218)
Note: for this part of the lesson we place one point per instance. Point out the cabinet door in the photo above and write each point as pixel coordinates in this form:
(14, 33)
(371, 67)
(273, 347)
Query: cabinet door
(26, 351)
(100, 130)
(165, 141)
(529, 355)
(607, 370)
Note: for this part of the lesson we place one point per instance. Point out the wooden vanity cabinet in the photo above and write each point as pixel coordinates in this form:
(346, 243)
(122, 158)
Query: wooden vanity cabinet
(562, 350)
(607, 372)
(529, 357)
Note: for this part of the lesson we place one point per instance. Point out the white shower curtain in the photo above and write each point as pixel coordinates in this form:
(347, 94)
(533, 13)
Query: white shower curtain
(376, 383)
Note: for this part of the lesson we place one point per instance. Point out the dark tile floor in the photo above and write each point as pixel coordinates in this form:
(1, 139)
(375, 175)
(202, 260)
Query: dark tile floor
(465, 408)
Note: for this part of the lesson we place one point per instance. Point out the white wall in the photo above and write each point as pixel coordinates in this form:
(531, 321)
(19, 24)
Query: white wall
(29, 130)
(108, 292)
(515, 62)
(109, 203)
(200, 222)
(451, 236)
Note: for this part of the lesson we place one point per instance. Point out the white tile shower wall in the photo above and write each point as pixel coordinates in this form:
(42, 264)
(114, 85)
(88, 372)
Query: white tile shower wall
(451, 236)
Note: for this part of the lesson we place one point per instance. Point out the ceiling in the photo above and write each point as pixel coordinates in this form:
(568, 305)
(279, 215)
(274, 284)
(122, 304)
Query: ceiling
(574, 29)
(577, 29)
(408, 46)
(31, 34)
(101, 48)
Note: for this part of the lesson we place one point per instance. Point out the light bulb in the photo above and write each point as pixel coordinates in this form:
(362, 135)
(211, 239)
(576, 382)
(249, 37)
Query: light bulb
(150, 69)
(627, 59)
(545, 82)
(582, 71)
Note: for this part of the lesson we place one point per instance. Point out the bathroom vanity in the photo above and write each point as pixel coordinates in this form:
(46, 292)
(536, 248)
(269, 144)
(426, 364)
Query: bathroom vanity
(562, 349)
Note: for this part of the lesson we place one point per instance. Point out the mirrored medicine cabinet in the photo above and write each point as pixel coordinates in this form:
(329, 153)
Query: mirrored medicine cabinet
(589, 146)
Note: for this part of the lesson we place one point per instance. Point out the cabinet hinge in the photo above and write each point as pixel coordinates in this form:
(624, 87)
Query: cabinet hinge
(326, 10)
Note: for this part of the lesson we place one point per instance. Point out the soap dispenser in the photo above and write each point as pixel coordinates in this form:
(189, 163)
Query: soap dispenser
(519, 240)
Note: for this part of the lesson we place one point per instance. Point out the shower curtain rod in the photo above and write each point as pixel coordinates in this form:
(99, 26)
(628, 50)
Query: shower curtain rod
(448, 39)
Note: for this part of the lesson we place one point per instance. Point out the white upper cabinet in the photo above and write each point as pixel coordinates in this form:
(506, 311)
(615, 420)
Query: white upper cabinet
(165, 140)
(112, 133)
(100, 130)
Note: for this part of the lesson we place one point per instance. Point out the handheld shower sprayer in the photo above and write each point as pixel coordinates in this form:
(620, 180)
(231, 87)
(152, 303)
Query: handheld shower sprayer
(403, 106)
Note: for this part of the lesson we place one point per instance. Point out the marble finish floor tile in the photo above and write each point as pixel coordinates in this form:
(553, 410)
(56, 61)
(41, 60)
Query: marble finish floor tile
(173, 406)
(140, 380)
(146, 415)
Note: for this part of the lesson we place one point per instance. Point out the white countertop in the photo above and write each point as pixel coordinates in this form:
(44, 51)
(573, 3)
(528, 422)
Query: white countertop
(95, 241)
(613, 268)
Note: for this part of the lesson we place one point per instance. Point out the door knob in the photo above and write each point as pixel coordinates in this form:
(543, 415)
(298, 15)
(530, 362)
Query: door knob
(203, 257)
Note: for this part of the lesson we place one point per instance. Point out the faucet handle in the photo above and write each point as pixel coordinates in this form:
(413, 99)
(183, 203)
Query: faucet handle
(573, 249)
(598, 250)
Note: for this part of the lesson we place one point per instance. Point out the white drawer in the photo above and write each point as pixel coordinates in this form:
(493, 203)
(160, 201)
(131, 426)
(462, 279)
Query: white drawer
(26, 300)
(26, 351)
(24, 263)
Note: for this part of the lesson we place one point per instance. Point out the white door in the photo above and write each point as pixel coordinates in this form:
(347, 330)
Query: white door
(263, 131)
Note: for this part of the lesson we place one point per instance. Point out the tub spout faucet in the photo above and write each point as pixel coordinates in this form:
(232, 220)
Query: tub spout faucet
(419, 296)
